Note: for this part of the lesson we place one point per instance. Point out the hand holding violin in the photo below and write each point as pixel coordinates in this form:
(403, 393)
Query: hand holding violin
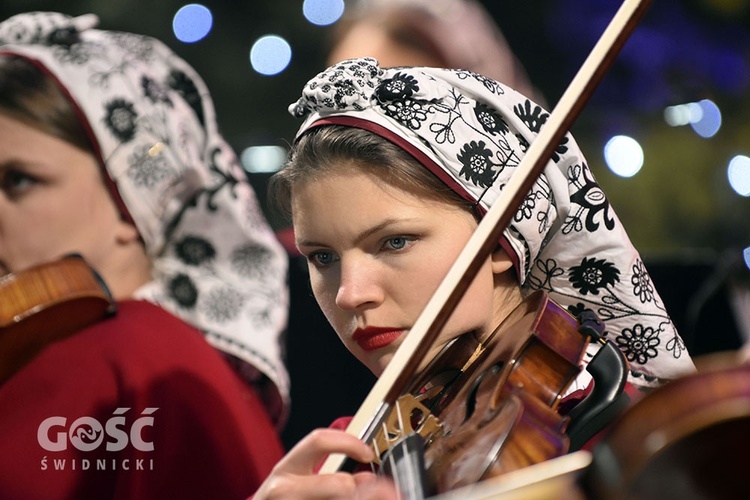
(295, 475)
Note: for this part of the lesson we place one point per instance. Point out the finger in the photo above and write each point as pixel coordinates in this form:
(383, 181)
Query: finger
(308, 453)
(329, 486)
(372, 487)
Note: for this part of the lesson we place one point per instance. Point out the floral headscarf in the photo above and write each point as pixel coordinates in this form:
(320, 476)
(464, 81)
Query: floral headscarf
(216, 263)
(472, 132)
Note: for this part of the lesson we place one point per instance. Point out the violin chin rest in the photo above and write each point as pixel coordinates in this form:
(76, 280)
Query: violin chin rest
(607, 399)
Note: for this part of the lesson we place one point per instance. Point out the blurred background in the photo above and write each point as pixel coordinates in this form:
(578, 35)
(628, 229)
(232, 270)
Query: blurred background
(667, 134)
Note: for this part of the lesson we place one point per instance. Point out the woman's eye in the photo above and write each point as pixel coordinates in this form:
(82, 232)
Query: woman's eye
(14, 182)
(321, 259)
(397, 242)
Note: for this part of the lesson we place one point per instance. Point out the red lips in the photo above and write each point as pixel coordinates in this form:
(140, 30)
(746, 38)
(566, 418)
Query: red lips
(374, 337)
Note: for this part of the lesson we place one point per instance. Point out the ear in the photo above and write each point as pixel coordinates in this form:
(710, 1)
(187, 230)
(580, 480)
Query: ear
(126, 233)
(501, 261)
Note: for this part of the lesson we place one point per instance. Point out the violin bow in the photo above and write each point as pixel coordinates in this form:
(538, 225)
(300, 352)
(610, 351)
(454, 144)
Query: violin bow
(395, 378)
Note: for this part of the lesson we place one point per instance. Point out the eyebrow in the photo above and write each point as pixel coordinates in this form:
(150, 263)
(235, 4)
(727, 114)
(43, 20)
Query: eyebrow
(14, 164)
(8, 164)
(361, 236)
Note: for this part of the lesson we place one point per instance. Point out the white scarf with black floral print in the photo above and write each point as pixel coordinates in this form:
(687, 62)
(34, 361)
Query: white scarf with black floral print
(472, 132)
(216, 263)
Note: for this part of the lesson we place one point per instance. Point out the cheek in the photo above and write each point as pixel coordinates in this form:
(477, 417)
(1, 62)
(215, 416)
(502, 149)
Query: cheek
(99, 204)
(476, 309)
(325, 296)
(434, 267)
(33, 237)
(104, 218)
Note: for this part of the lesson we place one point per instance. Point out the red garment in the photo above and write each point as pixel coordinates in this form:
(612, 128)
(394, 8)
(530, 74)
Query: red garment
(210, 434)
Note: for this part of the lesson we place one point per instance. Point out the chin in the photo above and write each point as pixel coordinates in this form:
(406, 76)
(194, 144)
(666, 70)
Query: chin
(373, 363)
(377, 366)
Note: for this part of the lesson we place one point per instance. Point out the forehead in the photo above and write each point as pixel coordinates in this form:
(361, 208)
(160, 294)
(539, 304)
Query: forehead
(354, 201)
(397, 175)
(348, 186)
(17, 134)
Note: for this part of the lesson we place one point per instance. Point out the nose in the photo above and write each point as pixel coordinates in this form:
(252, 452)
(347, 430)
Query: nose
(359, 285)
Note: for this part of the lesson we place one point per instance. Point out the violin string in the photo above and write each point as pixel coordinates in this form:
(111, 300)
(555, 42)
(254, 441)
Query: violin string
(377, 453)
(400, 419)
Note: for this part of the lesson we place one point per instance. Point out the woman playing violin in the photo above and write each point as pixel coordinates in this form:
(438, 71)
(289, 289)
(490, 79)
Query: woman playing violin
(387, 178)
(109, 148)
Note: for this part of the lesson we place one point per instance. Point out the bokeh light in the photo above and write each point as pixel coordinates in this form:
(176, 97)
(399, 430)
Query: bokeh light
(746, 256)
(738, 173)
(624, 156)
(704, 117)
(323, 12)
(192, 23)
(683, 114)
(263, 159)
(710, 120)
(270, 55)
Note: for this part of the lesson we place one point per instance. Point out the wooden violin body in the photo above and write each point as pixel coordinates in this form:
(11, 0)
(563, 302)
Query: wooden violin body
(502, 415)
(46, 303)
(688, 439)
(487, 410)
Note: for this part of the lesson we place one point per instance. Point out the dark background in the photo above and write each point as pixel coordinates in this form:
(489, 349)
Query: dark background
(682, 51)
(678, 210)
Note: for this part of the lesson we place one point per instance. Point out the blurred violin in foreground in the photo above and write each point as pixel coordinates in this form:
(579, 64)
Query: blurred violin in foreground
(688, 439)
(46, 303)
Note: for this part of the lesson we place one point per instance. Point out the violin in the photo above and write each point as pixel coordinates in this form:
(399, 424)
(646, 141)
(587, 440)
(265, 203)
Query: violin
(46, 303)
(687, 439)
(398, 377)
(483, 411)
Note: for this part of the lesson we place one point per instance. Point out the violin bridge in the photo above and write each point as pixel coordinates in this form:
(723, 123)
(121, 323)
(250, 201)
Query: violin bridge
(408, 416)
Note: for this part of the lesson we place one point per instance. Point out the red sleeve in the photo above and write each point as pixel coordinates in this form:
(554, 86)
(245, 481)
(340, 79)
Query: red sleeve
(340, 423)
(140, 407)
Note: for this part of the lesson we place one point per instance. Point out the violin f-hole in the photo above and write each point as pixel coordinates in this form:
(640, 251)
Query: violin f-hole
(471, 399)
